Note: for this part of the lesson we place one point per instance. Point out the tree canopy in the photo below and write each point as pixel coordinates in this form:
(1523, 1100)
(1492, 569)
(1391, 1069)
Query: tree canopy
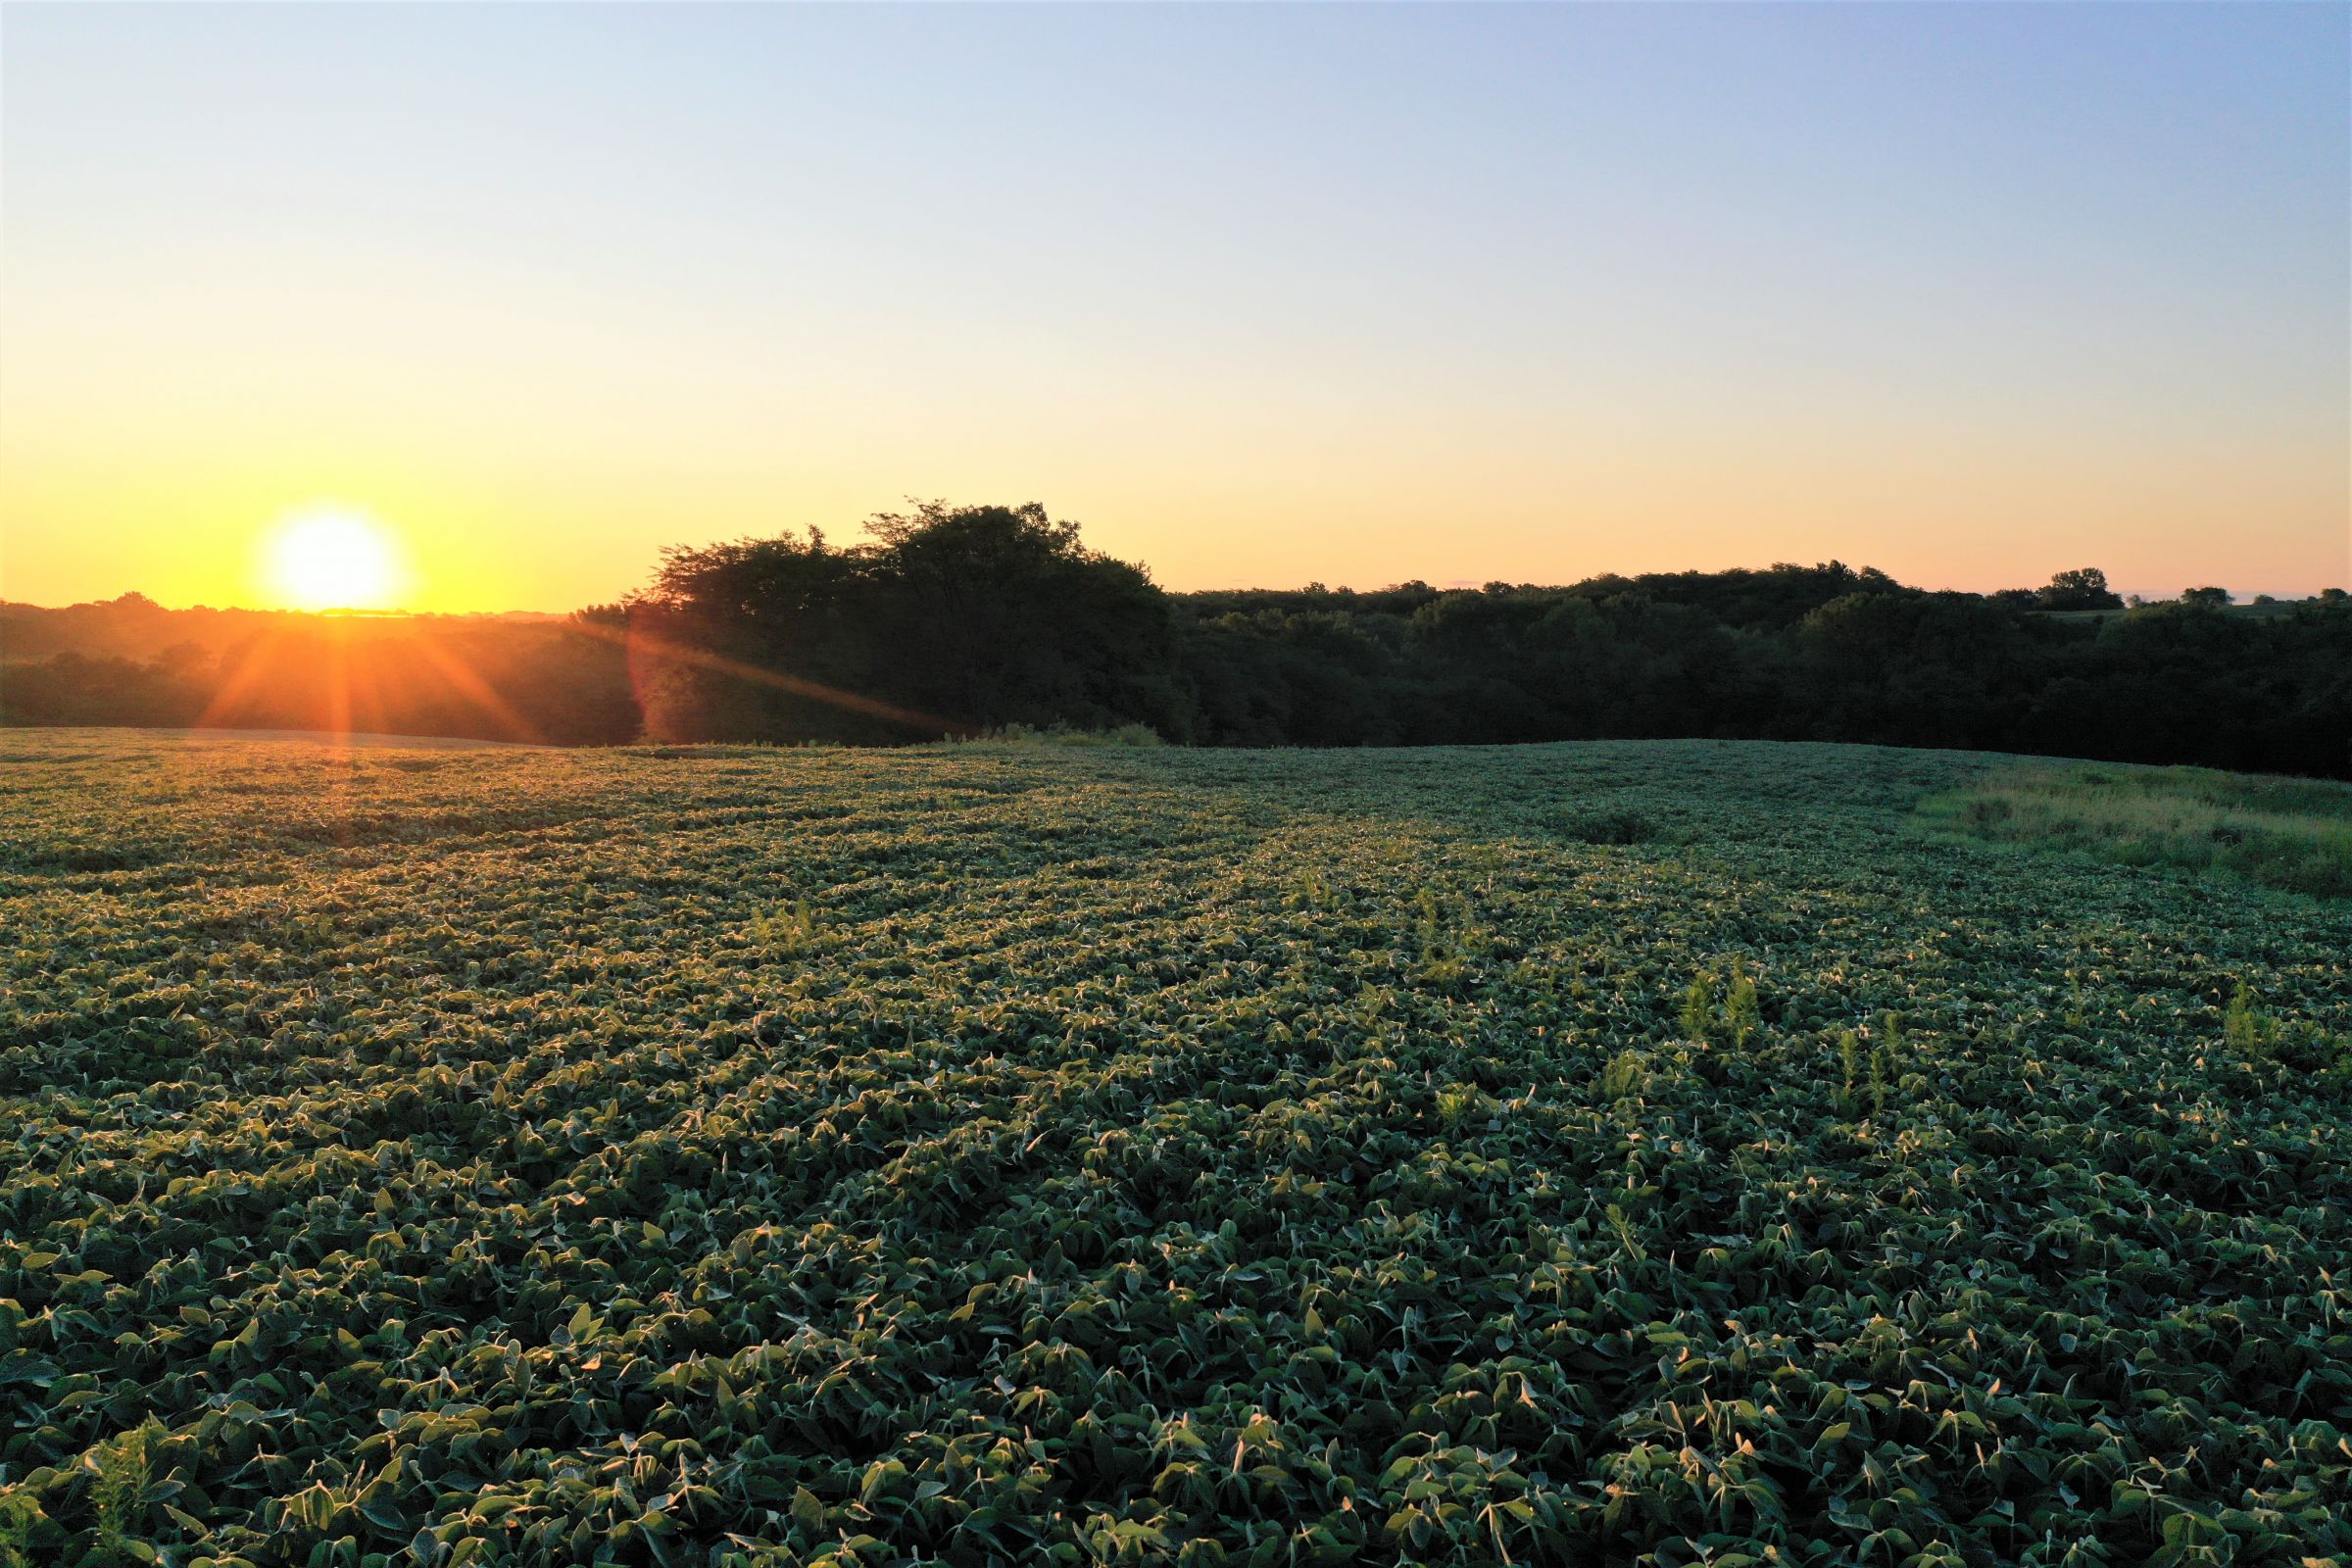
(958, 619)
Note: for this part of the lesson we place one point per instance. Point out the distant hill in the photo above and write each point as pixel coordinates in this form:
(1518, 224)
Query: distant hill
(134, 626)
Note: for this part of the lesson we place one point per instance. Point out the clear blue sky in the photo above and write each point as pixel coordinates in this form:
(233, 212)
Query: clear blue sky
(1261, 295)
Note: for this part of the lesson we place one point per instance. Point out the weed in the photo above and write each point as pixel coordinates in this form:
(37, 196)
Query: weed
(1457, 1104)
(1698, 1015)
(790, 930)
(21, 1519)
(2243, 1026)
(1623, 1077)
(2287, 833)
(119, 1492)
(1742, 1013)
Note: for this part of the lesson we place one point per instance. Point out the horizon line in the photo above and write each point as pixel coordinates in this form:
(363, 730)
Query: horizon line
(1451, 585)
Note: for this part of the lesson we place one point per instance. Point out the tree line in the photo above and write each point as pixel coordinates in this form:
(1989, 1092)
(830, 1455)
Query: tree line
(967, 619)
(129, 661)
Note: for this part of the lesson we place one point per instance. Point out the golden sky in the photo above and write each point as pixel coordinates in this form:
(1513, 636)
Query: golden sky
(1259, 296)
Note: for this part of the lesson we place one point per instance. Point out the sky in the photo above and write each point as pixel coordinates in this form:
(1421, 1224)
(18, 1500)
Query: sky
(1259, 295)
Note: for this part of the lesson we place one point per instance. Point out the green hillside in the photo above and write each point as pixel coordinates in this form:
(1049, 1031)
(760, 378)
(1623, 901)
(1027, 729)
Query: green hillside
(1628, 1152)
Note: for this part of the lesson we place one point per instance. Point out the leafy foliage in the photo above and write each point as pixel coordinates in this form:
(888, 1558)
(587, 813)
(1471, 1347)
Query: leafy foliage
(1010, 1153)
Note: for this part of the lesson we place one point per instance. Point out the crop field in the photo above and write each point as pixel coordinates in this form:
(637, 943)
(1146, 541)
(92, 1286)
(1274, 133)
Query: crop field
(1613, 1153)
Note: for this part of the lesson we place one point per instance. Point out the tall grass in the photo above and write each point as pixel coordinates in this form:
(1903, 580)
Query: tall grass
(1063, 735)
(2290, 833)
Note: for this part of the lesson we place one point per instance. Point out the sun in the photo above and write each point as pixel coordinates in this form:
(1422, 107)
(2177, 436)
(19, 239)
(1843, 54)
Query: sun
(334, 559)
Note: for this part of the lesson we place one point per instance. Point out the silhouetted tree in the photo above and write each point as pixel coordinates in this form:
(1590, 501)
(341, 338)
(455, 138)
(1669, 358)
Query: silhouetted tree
(951, 618)
(2082, 589)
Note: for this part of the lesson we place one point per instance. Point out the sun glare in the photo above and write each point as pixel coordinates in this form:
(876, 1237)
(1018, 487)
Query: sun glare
(335, 560)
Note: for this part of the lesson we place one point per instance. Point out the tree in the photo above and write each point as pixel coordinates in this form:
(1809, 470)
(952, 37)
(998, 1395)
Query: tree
(951, 619)
(2084, 588)
(760, 639)
(1000, 615)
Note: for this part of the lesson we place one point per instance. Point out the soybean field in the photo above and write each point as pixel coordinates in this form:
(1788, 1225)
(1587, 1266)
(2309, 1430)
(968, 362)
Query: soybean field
(1642, 1152)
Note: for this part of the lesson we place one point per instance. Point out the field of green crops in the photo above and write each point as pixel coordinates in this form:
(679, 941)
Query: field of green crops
(1601, 1153)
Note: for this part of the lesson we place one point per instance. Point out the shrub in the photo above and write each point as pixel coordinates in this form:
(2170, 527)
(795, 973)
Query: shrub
(1607, 827)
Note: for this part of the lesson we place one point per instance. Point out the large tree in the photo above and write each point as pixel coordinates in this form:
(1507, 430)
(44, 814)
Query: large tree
(949, 620)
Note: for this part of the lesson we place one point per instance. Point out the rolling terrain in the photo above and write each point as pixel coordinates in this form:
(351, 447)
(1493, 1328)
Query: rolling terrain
(1612, 1153)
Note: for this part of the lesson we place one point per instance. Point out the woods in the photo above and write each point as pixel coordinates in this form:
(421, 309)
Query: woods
(949, 620)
